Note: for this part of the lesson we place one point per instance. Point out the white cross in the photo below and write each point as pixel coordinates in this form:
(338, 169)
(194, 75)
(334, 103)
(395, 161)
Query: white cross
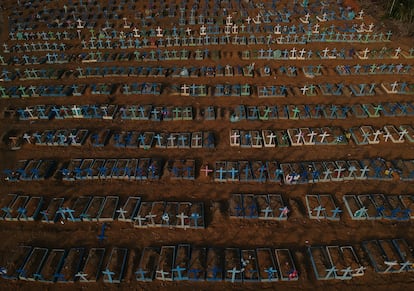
(271, 137)
(365, 52)
(304, 89)
(182, 217)
(301, 53)
(188, 31)
(234, 138)
(402, 133)
(316, 28)
(248, 19)
(323, 136)
(228, 20)
(293, 52)
(394, 87)
(325, 52)
(203, 30)
(312, 134)
(159, 31)
(122, 213)
(387, 136)
(136, 34)
(376, 135)
(184, 90)
(397, 52)
(299, 135)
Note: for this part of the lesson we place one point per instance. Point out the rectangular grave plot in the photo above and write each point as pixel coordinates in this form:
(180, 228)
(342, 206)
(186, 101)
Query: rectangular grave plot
(269, 138)
(183, 215)
(250, 206)
(282, 138)
(97, 167)
(384, 209)
(220, 174)
(250, 266)
(197, 264)
(232, 169)
(236, 206)
(375, 254)
(392, 254)
(367, 202)
(109, 165)
(354, 168)
(331, 172)
(51, 210)
(259, 171)
(197, 140)
(51, 268)
(409, 135)
(119, 170)
(232, 265)
(31, 166)
(341, 261)
(197, 215)
(286, 265)
(108, 209)
(33, 207)
(313, 204)
(264, 209)
(394, 134)
(396, 204)
(408, 202)
(181, 262)
(266, 265)
(157, 211)
(13, 260)
(256, 139)
(321, 263)
(7, 202)
(245, 173)
(116, 264)
(169, 217)
(342, 170)
(80, 138)
(406, 254)
(148, 264)
(274, 173)
(94, 208)
(86, 167)
(71, 264)
(155, 169)
(295, 136)
(189, 169)
(80, 206)
(317, 172)
(327, 202)
(73, 164)
(19, 202)
(144, 217)
(131, 172)
(215, 261)
(165, 263)
(353, 205)
(130, 207)
(408, 172)
(279, 208)
(33, 265)
(93, 264)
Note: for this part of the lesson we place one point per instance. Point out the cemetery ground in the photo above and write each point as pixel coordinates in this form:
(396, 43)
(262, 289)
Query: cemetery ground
(297, 233)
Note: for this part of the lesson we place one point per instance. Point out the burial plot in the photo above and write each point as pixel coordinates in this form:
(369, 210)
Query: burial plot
(181, 262)
(50, 270)
(322, 266)
(147, 264)
(144, 217)
(266, 265)
(14, 260)
(345, 261)
(286, 265)
(393, 258)
(165, 263)
(108, 209)
(232, 265)
(156, 214)
(92, 267)
(215, 260)
(71, 264)
(197, 264)
(33, 265)
(50, 215)
(169, 216)
(129, 209)
(408, 202)
(250, 270)
(6, 203)
(80, 206)
(114, 270)
(406, 254)
(377, 256)
(94, 208)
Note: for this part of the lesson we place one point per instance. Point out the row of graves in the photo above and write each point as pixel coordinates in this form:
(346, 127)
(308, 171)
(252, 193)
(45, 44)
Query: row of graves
(141, 214)
(312, 171)
(166, 263)
(202, 90)
(330, 262)
(118, 139)
(191, 214)
(250, 70)
(323, 207)
(224, 171)
(234, 114)
(361, 135)
(185, 262)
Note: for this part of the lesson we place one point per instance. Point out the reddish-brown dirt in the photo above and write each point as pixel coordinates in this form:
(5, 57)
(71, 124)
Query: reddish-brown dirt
(295, 233)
